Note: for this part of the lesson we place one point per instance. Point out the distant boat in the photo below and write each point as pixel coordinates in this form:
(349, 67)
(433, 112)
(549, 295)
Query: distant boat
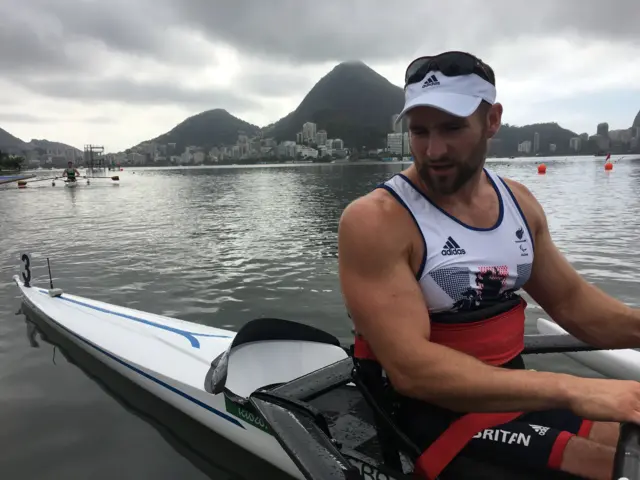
(14, 178)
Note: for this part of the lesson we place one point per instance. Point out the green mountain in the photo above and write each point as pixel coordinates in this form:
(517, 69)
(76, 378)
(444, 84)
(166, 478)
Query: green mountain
(47, 144)
(351, 102)
(506, 141)
(354, 103)
(11, 144)
(207, 129)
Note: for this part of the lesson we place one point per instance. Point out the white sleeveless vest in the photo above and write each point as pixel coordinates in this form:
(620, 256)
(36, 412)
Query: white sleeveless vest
(466, 268)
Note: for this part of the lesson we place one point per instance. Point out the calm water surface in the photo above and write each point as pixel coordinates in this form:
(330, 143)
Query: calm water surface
(221, 246)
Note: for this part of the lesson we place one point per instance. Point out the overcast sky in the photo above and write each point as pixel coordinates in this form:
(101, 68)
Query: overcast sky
(119, 72)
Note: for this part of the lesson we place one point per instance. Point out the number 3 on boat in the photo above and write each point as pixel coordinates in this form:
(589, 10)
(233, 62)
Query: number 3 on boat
(25, 269)
(25, 265)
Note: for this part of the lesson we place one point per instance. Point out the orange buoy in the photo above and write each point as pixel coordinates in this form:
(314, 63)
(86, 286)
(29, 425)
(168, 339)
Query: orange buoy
(542, 168)
(608, 166)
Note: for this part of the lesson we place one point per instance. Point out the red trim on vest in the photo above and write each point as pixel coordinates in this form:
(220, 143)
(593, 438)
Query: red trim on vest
(448, 445)
(361, 349)
(496, 340)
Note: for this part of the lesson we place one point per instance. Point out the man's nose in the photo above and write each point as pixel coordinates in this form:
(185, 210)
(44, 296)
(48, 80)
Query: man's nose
(436, 147)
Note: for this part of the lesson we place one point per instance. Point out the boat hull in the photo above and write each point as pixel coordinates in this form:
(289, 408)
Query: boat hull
(621, 364)
(140, 345)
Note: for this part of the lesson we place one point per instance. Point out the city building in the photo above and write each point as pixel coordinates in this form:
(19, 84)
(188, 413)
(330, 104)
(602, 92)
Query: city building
(309, 132)
(525, 147)
(575, 144)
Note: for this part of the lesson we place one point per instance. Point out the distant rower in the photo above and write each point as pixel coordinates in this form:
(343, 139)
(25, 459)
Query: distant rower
(70, 172)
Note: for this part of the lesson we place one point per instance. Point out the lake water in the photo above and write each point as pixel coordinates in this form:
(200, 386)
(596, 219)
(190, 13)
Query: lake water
(222, 246)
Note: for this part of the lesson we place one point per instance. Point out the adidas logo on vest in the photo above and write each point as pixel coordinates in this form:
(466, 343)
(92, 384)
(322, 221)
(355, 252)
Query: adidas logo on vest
(452, 248)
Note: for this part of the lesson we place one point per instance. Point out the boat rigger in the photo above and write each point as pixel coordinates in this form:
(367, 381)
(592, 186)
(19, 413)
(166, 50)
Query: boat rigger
(288, 392)
(23, 181)
(14, 178)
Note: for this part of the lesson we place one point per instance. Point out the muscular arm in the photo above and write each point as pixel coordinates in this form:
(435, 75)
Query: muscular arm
(388, 309)
(579, 307)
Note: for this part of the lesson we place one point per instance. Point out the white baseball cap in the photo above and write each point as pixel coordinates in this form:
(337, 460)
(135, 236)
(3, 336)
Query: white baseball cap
(459, 95)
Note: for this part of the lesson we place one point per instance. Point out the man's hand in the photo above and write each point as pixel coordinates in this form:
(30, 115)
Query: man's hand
(606, 400)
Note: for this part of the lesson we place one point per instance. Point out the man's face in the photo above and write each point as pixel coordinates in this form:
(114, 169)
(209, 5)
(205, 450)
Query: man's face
(448, 150)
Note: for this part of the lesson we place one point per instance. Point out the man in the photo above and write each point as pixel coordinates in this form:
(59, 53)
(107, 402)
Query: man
(430, 263)
(70, 172)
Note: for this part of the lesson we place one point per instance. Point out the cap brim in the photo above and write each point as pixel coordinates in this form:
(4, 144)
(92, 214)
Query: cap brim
(452, 103)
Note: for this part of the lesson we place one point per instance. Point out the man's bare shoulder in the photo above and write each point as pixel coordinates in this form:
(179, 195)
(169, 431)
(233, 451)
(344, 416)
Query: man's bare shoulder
(373, 213)
(374, 225)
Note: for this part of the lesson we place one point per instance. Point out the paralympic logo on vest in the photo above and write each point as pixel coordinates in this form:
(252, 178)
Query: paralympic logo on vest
(451, 247)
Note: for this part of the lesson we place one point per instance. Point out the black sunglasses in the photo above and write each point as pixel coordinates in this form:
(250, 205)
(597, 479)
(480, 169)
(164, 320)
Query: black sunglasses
(452, 64)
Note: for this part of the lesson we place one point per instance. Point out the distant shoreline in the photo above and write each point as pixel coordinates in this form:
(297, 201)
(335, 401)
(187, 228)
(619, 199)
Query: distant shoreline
(523, 160)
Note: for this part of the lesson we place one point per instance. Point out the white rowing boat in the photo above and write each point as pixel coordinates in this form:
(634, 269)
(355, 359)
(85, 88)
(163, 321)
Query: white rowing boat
(284, 391)
(623, 364)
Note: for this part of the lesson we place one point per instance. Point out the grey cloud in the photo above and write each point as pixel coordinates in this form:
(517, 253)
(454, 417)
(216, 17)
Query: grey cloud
(291, 30)
(129, 91)
(381, 30)
(274, 83)
(22, 118)
(8, 117)
(23, 49)
(133, 27)
(589, 19)
(370, 30)
(41, 41)
(98, 120)
(45, 36)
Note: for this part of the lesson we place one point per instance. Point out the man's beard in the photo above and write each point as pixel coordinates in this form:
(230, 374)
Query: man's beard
(462, 171)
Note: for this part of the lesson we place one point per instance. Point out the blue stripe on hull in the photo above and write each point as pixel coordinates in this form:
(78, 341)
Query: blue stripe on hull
(191, 336)
(143, 373)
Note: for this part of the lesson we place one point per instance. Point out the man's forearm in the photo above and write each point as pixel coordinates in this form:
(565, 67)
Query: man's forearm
(459, 382)
(598, 319)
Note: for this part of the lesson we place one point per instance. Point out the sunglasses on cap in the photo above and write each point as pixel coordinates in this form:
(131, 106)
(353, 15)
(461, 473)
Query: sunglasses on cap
(452, 64)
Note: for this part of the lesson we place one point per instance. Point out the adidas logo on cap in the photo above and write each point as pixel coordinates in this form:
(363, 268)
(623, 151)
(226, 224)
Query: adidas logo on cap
(431, 81)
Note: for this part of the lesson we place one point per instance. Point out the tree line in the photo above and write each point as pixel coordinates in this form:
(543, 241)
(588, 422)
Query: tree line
(10, 162)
